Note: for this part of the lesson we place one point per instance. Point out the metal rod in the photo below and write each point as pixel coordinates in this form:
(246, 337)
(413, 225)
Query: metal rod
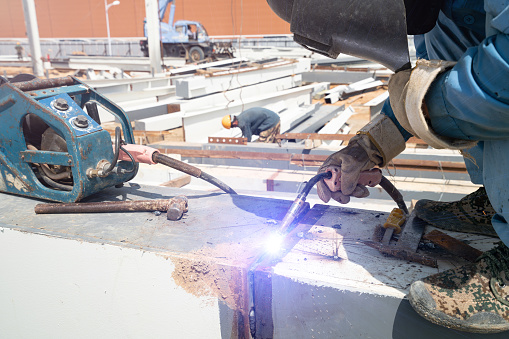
(37, 84)
(108, 206)
(314, 159)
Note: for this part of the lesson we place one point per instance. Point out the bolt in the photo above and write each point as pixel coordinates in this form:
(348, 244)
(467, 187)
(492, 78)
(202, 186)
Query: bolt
(81, 121)
(61, 104)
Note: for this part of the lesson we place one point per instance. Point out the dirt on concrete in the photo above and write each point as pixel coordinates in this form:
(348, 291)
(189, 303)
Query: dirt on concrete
(219, 271)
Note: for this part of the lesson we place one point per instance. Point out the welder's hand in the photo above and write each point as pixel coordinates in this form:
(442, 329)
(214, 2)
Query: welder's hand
(346, 166)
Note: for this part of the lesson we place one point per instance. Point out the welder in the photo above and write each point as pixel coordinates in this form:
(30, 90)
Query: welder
(456, 97)
(255, 121)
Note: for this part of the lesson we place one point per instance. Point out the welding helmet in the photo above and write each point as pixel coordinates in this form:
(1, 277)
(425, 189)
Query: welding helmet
(227, 121)
(374, 30)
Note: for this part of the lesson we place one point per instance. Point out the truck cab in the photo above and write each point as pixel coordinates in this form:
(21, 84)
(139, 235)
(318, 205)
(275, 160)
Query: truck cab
(182, 38)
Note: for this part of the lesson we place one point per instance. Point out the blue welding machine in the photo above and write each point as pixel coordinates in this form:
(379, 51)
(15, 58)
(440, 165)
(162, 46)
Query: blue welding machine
(52, 145)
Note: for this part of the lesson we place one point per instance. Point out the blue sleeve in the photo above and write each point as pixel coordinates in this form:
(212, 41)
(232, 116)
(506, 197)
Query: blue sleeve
(387, 110)
(246, 132)
(471, 101)
(420, 47)
(270, 120)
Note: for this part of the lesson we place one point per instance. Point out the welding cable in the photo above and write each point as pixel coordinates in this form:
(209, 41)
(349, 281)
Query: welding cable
(117, 151)
(191, 170)
(384, 183)
(132, 160)
(312, 182)
(47, 171)
(54, 176)
(55, 184)
(394, 193)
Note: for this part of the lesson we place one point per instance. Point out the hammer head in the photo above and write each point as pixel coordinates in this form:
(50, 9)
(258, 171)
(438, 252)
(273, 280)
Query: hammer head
(177, 206)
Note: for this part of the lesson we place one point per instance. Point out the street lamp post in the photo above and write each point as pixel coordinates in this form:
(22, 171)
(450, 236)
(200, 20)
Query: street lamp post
(107, 7)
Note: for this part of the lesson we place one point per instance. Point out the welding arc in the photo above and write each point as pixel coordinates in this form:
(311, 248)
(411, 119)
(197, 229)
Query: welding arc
(191, 170)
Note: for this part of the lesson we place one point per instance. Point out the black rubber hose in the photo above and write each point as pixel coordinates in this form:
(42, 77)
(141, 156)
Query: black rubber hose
(55, 184)
(117, 151)
(216, 182)
(394, 193)
(132, 160)
(191, 170)
(312, 182)
(384, 183)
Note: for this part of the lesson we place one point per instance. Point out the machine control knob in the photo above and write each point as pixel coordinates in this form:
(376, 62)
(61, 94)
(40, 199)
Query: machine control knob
(61, 104)
(81, 121)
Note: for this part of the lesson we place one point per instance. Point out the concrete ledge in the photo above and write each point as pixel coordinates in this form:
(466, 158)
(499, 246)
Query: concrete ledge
(129, 274)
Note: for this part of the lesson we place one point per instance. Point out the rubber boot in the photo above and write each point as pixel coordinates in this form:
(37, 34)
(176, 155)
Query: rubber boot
(471, 214)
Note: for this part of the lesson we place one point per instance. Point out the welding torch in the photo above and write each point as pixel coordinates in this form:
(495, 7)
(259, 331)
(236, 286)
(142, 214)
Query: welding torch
(371, 178)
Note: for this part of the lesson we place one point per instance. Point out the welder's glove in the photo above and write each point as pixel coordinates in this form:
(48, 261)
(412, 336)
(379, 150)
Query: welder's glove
(374, 145)
(349, 162)
(407, 91)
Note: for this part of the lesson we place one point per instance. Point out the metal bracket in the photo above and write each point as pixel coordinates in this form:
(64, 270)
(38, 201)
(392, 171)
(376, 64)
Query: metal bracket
(234, 141)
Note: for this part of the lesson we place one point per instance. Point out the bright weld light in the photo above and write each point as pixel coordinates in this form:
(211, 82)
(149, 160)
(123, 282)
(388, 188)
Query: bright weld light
(274, 243)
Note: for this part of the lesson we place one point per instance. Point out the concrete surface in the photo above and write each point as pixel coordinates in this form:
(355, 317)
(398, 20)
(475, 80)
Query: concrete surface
(137, 274)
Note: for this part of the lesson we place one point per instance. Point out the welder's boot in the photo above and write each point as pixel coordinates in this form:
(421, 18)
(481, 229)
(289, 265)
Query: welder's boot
(471, 214)
(471, 298)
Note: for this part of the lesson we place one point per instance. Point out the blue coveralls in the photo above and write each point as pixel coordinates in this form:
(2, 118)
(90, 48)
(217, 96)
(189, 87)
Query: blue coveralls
(256, 120)
(471, 101)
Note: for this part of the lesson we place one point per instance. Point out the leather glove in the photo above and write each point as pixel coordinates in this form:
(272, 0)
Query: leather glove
(374, 145)
(346, 166)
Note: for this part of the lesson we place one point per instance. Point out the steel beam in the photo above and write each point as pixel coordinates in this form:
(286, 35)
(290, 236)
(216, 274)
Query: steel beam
(159, 122)
(140, 64)
(323, 115)
(233, 78)
(375, 105)
(336, 76)
(290, 118)
(311, 160)
(234, 62)
(335, 125)
(238, 95)
(198, 125)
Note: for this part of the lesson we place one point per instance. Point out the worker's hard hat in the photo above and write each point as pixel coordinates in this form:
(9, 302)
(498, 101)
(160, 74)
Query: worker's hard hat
(227, 121)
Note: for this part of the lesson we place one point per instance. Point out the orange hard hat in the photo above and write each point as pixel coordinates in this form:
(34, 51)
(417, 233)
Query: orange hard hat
(227, 121)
